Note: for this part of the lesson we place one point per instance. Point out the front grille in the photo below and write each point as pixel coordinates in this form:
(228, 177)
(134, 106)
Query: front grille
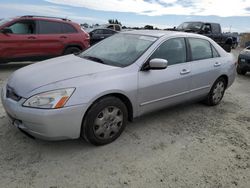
(11, 94)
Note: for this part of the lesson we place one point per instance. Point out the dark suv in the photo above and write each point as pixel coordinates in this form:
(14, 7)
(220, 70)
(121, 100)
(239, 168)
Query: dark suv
(36, 37)
(244, 61)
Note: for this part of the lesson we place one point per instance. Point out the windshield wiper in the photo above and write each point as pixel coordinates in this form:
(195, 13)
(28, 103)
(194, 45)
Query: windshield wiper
(96, 59)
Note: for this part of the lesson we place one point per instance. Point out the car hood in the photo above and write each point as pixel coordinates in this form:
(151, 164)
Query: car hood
(37, 75)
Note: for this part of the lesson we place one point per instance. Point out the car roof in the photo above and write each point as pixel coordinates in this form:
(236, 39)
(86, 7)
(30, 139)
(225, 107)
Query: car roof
(153, 33)
(162, 33)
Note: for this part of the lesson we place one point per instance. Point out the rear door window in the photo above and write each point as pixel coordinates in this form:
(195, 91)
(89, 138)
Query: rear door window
(200, 49)
(50, 27)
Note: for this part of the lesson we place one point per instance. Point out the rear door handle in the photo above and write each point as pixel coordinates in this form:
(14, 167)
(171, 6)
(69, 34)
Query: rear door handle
(185, 71)
(31, 37)
(63, 37)
(217, 64)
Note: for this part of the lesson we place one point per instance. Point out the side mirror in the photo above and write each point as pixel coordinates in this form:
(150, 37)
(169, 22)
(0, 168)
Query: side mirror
(6, 30)
(156, 64)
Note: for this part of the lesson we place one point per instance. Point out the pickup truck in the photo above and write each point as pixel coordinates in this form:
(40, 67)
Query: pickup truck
(212, 30)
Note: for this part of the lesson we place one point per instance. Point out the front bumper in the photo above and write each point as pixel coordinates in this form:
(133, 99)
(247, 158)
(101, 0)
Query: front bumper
(54, 124)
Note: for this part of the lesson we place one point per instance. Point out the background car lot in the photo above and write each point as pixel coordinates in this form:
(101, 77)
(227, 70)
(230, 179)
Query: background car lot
(96, 35)
(191, 146)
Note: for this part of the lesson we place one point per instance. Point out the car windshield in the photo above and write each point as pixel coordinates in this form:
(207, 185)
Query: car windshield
(119, 50)
(190, 25)
(4, 21)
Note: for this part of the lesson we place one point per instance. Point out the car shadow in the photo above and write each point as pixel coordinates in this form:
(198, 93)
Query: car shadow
(168, 125)
(143, 123)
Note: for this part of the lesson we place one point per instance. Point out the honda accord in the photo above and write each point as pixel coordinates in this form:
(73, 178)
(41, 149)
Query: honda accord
(93, 94)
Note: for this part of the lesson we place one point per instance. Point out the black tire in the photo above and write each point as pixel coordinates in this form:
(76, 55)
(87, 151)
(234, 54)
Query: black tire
(72, 50)
(101, 121)
(240, 71)
(227, 47)
(215, 97)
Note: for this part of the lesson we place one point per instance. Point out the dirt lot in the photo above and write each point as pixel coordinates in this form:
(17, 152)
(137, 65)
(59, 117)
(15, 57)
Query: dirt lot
(185, 146)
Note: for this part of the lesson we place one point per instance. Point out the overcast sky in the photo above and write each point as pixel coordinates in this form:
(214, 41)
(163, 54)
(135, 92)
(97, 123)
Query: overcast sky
(232, 14)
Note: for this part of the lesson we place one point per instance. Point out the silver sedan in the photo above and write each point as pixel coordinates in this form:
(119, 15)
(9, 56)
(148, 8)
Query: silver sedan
(93, 94)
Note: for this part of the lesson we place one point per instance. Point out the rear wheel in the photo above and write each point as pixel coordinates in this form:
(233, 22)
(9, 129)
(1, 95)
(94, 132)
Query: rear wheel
(240, 71)
(217, 92)
(105, 121)
(72, 50)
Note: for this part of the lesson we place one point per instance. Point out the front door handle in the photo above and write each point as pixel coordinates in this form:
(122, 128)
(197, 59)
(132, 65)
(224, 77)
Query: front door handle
(185, 71)
(63, 37)
(217, 64)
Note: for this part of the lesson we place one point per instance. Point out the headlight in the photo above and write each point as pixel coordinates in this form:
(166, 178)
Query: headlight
(50, 100)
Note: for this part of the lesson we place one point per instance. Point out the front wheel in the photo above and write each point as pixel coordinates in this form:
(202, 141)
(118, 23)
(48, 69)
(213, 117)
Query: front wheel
(105, 121)
(217, 92)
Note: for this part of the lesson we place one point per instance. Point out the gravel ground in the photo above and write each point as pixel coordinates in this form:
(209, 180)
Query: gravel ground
(184, 147)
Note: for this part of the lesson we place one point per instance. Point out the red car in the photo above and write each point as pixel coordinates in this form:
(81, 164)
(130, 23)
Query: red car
(29, 38)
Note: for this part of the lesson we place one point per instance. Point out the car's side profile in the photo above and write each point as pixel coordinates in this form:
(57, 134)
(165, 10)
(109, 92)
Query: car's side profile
(118, 79)
(35, 38)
